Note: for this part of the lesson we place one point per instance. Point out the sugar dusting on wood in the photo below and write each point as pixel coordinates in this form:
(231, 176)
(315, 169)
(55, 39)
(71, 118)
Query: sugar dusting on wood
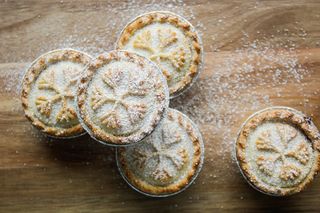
(227, 91)
(232, 88)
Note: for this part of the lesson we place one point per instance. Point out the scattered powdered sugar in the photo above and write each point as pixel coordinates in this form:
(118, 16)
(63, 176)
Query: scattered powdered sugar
(11, 76)
(232, 85)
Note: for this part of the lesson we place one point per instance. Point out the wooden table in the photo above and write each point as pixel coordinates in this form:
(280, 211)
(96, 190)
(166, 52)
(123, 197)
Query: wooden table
(38, 174)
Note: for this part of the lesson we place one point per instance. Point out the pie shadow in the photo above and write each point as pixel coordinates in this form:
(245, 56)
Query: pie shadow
(79, 151)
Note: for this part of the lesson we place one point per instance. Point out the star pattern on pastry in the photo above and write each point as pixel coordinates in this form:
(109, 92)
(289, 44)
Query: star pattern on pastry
(45, 104)
(166, 38)
(164, 150)
(270, 153)
(113, 79)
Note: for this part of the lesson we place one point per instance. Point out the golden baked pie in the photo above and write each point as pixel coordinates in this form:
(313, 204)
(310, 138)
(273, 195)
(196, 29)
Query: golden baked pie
(48, 92)
(122, 97)
(167, 161)
(278, 151)
(170, 41)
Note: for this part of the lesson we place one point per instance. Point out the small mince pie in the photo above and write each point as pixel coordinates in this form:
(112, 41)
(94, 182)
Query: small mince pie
(170, 41)
(278, 151)
(122, 97)
(166, 162)
(48, 92)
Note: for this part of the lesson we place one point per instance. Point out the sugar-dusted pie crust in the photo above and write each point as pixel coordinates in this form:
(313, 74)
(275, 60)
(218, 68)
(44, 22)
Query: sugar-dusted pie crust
(167, 161)
(121, 98)
(170, 41)
(277, 150)
(48, 92)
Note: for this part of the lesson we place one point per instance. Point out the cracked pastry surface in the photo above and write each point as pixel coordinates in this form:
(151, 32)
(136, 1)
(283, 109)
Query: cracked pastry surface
(121, 98)
(170, 41)
(48, 92)
(165, 162)
(278, 151)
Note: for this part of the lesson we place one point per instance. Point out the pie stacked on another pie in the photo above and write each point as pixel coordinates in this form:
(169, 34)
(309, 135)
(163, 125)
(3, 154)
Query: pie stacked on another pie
(167, 161)
(278, 151)
(170, 41)
(122, 97)
(48, 92)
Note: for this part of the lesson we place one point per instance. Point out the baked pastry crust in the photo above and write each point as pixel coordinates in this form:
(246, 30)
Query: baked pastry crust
(291, 123)
(43, 104)
(137, 102)
(186, 58)
(166, 162)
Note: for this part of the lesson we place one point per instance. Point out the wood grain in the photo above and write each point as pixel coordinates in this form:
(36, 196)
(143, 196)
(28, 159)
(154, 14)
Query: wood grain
(38, 174)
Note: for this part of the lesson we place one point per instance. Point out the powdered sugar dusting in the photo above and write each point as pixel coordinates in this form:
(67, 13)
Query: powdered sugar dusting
(124, 97)
(164, 158)
(235, 84)
(231, 87)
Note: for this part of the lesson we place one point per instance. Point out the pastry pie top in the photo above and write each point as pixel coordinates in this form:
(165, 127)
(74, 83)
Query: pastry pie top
(165, 162)
(122, 97)
(170, 41)
(277, 151)
(48, 92)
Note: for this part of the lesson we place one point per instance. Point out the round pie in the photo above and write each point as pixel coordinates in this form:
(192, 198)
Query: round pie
(167, 161)
(170, 41)
(121, 98)
(48, 92)
(278, 151)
